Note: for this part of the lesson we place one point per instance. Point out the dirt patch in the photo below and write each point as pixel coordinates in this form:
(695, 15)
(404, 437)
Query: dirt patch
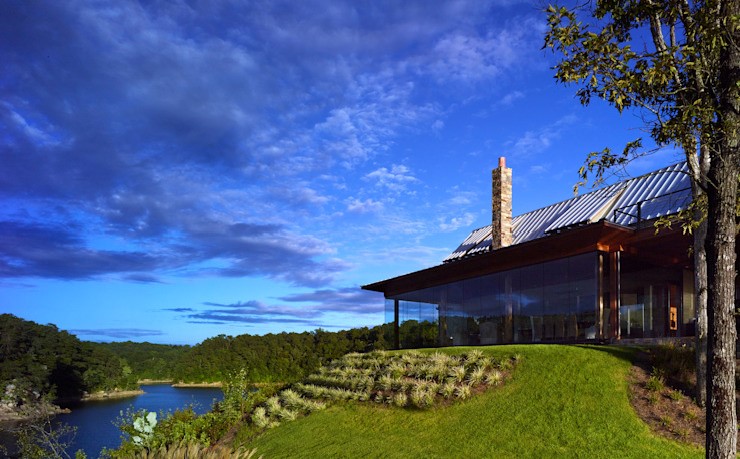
(669, 412)
(666, 404)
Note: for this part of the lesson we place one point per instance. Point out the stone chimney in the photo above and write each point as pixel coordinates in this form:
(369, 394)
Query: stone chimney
(501, 228)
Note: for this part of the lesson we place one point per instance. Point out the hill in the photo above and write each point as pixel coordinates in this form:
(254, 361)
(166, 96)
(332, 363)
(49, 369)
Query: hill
(563, 401)
(41, 362)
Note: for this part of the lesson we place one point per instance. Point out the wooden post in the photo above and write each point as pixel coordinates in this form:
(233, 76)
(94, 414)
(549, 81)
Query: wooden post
(614, 268)
(396, 337)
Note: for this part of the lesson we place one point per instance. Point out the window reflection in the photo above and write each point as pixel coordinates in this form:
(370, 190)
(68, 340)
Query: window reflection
(554, 301)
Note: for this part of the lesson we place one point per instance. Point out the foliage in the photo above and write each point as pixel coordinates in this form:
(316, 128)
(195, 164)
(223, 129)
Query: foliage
(184, 427)
(144, 428)
(147, 360)
(51, 361)
(283, 357)
(42, 437)
(407, 379)
(656, 382)
(562, 401)
(677, 62)
(195, 450)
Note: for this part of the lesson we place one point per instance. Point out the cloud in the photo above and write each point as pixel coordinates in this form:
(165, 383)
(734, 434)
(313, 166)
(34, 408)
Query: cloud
(312, 308)
(344, 300)
(396, 179)
(468, 56)
(117, 333)
(455, 223)
(143, 278)
(511, 97)
(142, 140)
(362, 207)
(37, 250)
(537, 141)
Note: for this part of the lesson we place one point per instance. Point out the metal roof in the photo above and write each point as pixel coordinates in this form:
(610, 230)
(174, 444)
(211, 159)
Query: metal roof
(663, 192)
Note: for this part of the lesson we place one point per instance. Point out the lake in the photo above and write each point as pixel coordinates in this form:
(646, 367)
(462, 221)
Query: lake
(94, 419)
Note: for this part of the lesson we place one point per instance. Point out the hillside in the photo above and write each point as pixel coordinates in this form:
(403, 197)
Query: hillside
(39, 363)
(563, 401)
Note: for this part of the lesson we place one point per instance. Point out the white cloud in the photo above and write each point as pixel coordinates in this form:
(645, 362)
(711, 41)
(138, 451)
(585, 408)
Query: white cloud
(395, 179)
(455, 223)
(363, 207)
(511, 97)
(469, 57)
(537, 141)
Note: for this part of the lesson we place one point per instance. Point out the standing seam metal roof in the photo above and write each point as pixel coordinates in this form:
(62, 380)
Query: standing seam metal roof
(663, 192)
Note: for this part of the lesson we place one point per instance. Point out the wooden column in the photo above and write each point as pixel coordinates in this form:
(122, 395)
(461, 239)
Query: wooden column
(614, 284)
(396, 332)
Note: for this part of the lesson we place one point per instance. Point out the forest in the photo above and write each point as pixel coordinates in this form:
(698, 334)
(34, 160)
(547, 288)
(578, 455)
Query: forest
(54, 363)
(58, 366)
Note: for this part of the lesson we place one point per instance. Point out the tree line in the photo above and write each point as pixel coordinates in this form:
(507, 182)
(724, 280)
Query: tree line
(54, 363)
(58, 365)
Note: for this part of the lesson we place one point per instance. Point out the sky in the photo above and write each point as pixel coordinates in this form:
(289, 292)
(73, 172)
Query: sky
(176, 170)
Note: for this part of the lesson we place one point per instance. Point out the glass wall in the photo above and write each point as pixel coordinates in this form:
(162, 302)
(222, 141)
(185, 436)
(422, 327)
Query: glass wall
(548, 302)
(651, 300)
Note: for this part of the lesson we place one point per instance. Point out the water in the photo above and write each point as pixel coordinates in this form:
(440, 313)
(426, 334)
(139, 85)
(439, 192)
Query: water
(94, 419)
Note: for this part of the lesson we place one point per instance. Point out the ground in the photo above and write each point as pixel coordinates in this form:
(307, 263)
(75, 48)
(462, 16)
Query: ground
(662, 395)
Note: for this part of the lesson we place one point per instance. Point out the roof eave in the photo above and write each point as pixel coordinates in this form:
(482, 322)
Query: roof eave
(601, 235)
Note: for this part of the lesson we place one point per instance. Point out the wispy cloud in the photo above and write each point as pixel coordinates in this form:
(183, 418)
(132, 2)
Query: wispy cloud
(538, 141)
(463, 221)
(364, 206)
(117, 333)
(313, 308)
(397, 178)
(148, 142)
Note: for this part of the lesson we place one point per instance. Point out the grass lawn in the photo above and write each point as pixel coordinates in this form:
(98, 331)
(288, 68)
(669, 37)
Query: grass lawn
(563, 401)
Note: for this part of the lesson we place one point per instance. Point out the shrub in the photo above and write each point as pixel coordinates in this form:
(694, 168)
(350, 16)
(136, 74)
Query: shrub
(421, 397)
(447, 390)
(458, 373)
(474, 356)
(291, 399)
(400, 399)
(463, 392)
(655, 383)
(494, 378)
(273, 405)
(385, 382)
(476, 376)
(259, 417)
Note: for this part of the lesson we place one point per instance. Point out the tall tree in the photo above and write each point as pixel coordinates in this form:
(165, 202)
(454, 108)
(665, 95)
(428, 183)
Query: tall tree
(678, 63)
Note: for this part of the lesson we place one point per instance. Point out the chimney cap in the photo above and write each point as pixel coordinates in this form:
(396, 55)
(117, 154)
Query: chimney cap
(502, 161)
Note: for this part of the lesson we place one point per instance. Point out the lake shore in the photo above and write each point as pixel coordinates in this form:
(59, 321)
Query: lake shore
(8, 415)
(203, 384)
(109, 395)
(154, 381)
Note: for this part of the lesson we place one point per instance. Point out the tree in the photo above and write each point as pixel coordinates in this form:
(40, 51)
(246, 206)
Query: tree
(678, 63)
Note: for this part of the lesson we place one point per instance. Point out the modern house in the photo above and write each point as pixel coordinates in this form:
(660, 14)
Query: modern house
(588, 269)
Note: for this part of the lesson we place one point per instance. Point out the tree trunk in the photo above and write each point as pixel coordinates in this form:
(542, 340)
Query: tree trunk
(701, 332)
(720, 245)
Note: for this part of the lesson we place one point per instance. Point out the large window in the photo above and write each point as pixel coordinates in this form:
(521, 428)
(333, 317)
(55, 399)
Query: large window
(649, 296)
(554, 301)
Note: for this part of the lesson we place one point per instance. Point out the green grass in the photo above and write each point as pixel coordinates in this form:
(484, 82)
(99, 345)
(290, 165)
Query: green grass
(563, 401)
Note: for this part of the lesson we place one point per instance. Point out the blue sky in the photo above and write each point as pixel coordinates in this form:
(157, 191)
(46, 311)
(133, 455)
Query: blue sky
(174, 170)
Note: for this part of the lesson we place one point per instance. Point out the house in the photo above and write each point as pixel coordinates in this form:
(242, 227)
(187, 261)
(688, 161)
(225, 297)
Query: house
(588, 269)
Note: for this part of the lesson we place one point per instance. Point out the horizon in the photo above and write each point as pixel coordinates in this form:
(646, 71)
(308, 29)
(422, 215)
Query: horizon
(174, 172)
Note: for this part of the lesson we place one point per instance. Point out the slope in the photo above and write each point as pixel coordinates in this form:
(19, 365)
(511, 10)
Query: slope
(563, 401)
